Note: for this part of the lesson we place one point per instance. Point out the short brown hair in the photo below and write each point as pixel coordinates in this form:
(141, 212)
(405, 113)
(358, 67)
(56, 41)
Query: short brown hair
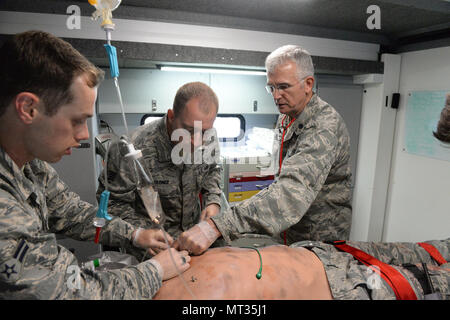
(193, 90)
(40, 63)
(443, 127)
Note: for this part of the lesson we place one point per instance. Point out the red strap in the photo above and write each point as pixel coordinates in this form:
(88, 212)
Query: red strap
(200, 198)
(282, 139)
(398, 283)
(433, 252)
(281, 158)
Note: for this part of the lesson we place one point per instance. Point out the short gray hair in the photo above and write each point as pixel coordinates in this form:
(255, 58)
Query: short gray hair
(286, 53)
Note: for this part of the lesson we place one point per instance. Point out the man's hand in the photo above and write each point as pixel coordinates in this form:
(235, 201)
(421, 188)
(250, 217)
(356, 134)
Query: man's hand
(210, 211)
(198, 238)
(166, 267)
(151, 239)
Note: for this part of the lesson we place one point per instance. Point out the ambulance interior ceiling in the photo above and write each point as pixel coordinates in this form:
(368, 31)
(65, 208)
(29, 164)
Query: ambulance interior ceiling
(406, 25)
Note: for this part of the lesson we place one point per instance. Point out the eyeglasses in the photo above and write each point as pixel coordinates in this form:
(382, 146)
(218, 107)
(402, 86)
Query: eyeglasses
(280, 87)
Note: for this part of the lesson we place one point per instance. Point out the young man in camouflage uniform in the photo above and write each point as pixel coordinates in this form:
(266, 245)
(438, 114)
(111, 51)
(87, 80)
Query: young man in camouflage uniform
(48, 93)
(179, 180)
(311, 196)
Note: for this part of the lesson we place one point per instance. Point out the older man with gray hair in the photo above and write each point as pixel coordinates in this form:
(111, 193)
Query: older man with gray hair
(310, 198)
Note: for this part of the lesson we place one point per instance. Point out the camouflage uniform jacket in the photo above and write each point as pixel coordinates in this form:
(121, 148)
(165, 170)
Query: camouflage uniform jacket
(34, 205)
(349, 279)
(178, 185)
(311, 195)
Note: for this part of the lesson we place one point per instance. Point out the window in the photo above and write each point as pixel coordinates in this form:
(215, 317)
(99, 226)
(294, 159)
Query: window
(229, 127)
(147, 118)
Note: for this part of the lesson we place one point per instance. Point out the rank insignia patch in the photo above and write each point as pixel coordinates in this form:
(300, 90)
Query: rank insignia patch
(10, 269)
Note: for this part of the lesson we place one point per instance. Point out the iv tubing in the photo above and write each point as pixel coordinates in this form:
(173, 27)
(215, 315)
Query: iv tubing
(119, 95)
(106, 160)
(106, 165)
(108, 35)
(174, 263)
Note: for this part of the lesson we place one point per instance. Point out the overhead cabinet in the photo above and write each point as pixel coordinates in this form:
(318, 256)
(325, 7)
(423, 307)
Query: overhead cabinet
(153, 90)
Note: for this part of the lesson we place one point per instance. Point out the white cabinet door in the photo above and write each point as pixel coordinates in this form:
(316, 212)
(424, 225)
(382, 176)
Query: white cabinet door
(140, 87)
(237, 93)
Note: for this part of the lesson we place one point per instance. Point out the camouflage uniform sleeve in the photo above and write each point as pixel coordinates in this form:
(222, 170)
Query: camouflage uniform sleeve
(34, 266)
(398, 253)
(73, 217)
(122, 188)
(285, 201)
(211, 185)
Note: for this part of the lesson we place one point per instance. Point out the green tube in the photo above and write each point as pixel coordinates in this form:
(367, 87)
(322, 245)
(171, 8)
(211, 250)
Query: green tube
(259, 274)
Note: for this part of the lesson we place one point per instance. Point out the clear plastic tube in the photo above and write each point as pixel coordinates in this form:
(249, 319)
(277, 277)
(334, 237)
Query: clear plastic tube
(105, 170)
(119, 95)
(176, 268)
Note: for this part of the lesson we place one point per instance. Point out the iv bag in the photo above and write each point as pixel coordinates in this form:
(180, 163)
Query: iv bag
(152, 204)
(145, 186)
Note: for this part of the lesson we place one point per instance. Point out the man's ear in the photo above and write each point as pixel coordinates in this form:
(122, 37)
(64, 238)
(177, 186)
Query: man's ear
(309, 84)
(170, 114)
(170, 118)
(26, 105)
(169, 124)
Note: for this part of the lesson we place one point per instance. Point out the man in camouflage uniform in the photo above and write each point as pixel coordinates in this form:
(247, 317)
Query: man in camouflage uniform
(317, 270)
(179, 182)
(351, 280)
(311, 196)
(48, 93)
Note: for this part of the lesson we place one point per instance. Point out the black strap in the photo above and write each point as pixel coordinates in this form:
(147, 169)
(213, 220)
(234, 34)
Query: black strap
(420, 275)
